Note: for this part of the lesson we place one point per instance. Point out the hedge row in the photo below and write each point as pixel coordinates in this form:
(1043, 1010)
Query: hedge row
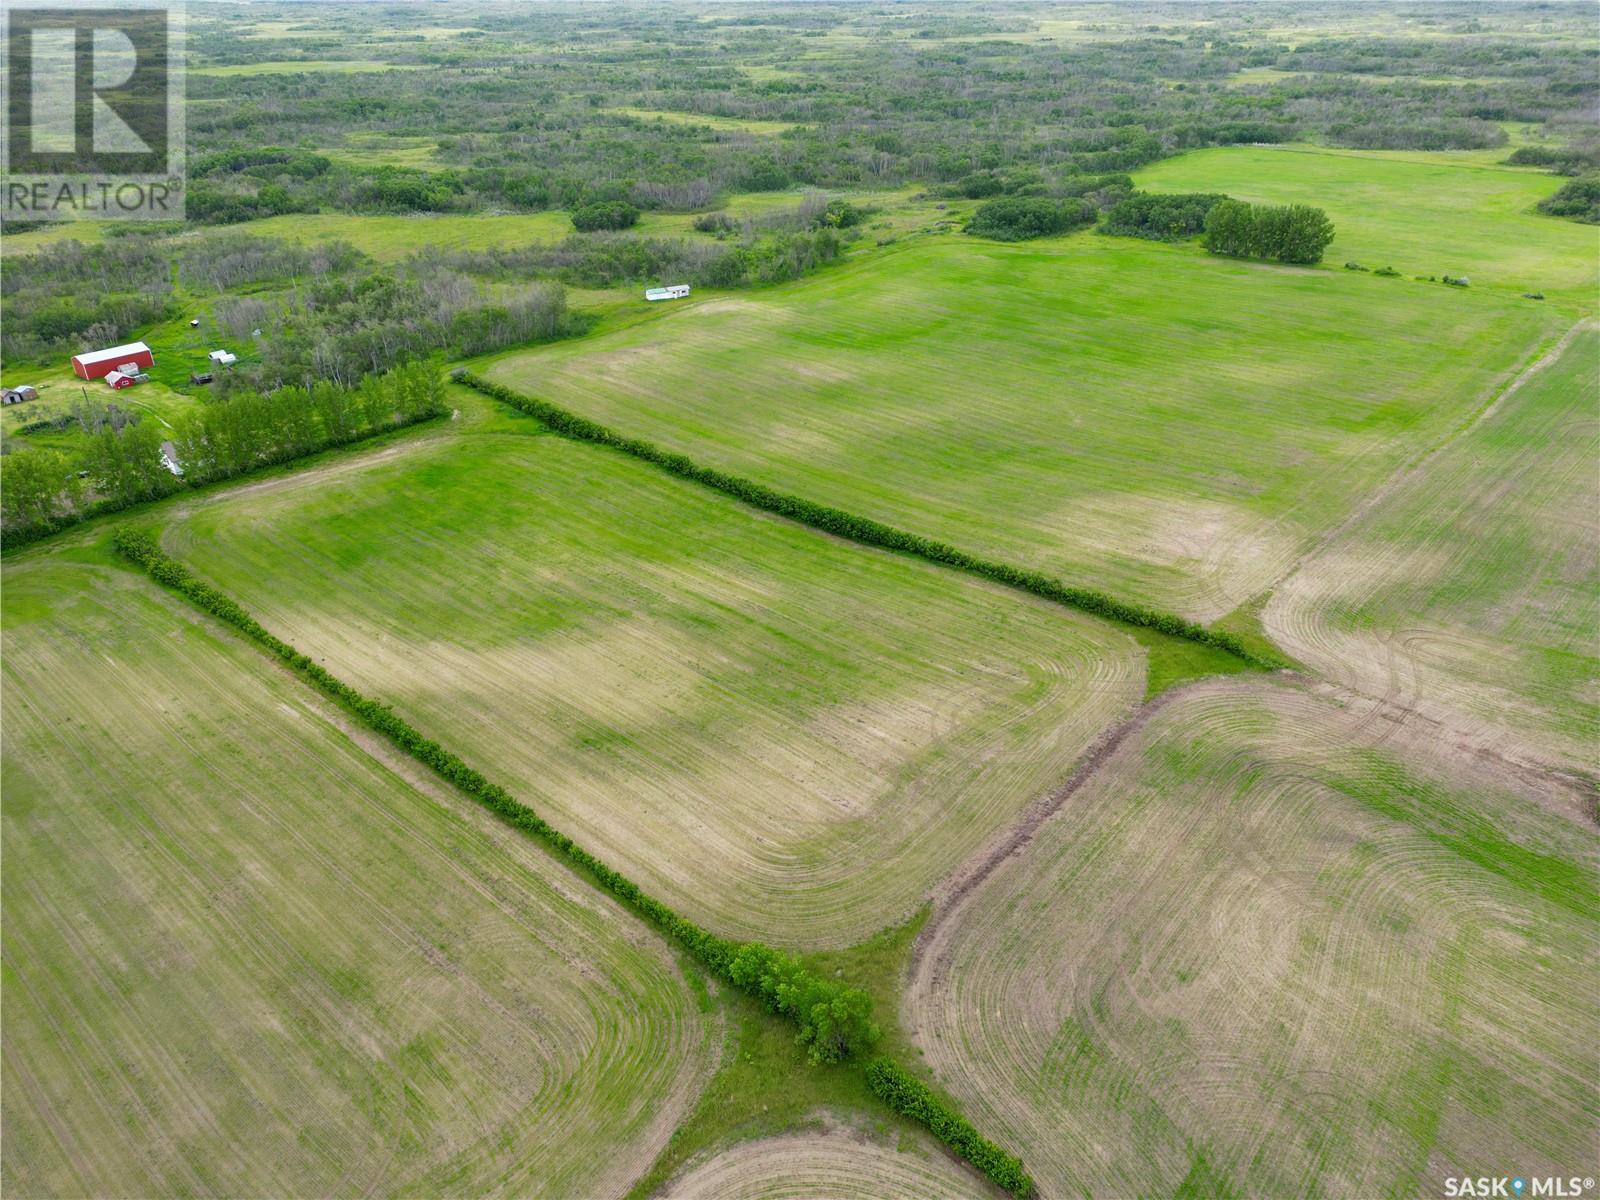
(861, 529)
(912, 1098)
(835, 1020)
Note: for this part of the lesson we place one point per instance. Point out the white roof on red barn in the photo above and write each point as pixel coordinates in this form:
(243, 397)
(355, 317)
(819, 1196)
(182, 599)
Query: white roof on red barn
(119, 354)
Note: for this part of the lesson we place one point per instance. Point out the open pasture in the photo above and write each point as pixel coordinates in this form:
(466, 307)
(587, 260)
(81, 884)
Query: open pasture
(783, 736)
(1146, 419)
(832, 1163)
(1420, 213)
(1276, 946)
(706, 120)
(343, 66)
(1472, 591)
(245, 956)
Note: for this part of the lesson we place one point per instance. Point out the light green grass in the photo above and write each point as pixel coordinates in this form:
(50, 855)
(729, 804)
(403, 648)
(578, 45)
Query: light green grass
(1285, 947)
(720, 124)
(390, 237)
(1474, 590)
(1159, 423)
(381, 150)
(1419, 213)
(782, 735)
(243, 957)
(348, 66)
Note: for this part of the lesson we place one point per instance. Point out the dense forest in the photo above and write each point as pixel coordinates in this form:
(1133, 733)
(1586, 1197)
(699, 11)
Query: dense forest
(538, 106)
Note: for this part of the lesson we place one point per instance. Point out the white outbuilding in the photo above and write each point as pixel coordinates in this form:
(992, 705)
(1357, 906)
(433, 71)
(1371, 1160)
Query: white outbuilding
(223, 358)
(675, 291)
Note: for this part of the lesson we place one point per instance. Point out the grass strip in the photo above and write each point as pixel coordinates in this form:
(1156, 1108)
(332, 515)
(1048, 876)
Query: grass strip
(863, 529)
(834, 1019)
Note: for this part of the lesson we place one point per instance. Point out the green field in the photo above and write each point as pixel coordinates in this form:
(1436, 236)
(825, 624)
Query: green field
(1280, 947)
(245, 955)
(709, 121)
(304, 66)
(1146, 419)
(1423, 214)
(784, 736)
(1473, 590)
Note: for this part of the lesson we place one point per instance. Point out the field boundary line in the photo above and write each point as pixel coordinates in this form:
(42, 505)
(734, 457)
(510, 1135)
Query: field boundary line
(1540, 358)
(951, 893)
(864, 530)
(833, 1018)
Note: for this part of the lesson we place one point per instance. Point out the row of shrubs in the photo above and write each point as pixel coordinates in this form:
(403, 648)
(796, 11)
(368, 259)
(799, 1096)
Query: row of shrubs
(861, 529)
(910, 1097)
(835, 1019)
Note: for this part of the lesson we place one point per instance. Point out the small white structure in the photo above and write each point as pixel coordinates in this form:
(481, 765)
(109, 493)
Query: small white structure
(169, 458)
(223, 358)
(676, 291)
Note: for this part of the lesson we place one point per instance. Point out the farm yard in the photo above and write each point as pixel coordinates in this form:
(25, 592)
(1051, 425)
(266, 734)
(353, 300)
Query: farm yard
(1064, 662)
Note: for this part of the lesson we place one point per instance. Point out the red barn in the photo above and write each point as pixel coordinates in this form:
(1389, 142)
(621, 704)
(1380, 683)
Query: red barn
(98, 363)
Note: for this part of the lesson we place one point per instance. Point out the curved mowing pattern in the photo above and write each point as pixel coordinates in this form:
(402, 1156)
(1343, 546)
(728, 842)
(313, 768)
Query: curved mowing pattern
(1168, 428)
(244, 958)
(1278, 947)
(782, 736)
(1473, 591)
(834, 1164)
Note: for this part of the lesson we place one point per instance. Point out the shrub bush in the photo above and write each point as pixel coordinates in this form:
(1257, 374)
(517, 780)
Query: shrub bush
(1017, 218)
(910, 1097)
(1161, 218)
(607, 214)
(1579, 199)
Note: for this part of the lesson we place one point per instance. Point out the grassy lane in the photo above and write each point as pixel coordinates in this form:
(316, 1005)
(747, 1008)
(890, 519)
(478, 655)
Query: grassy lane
(243, 957)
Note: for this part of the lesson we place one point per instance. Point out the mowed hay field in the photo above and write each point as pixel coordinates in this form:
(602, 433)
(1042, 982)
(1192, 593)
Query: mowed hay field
(1422, 214)
(1279, 947)
(1472, 591)
(833, 1163)
(784, 736)
(1164, 425)
(242, 957)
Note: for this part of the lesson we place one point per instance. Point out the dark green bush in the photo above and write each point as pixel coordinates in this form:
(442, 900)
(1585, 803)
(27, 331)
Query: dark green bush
(1161, 218)
(1579, 199)
(910, 1097)
(860, 529)
(607, 214)
(1017, 218)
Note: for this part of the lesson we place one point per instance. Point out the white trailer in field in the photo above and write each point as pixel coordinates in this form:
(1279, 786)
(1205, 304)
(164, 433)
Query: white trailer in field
(676, 291)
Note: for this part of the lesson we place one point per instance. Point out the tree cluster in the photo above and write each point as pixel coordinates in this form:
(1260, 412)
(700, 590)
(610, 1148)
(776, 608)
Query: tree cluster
(1017, 218)
(1294, 233)
(1161, 217)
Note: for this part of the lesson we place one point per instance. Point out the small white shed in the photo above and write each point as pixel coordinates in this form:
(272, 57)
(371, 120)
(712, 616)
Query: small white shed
(223, 358)
(675, 291)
